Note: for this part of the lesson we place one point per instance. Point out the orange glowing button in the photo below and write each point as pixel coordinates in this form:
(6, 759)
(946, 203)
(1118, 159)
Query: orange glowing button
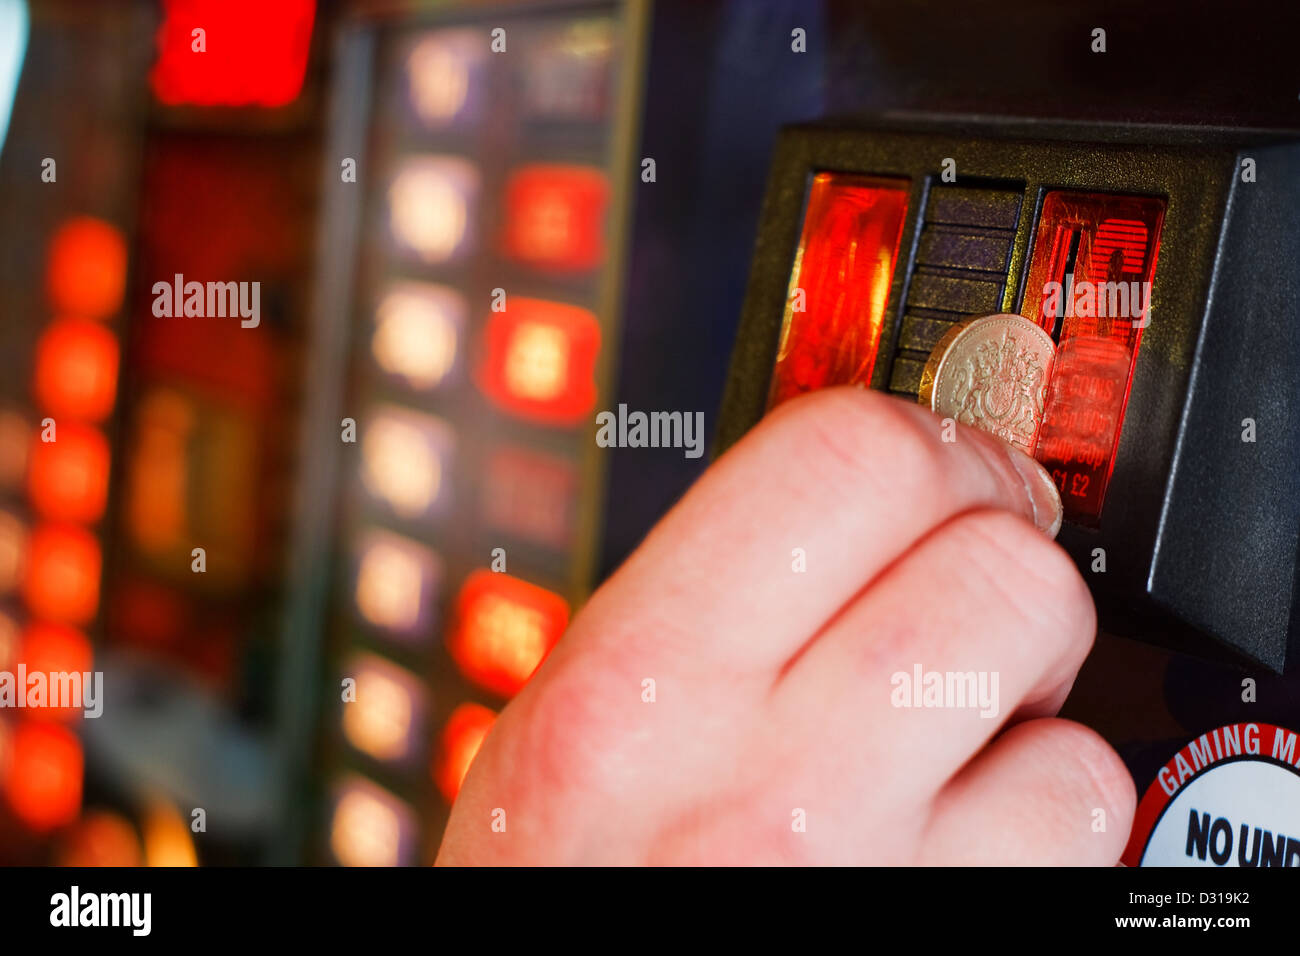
(68, 478)
(540, 361)
(555, 217)
(461, 739)
(44, 784)
(1089, 285)
(86, 271)
(505, 628)
(76, 370)
(62, 579)
(56, 649)
(835, 309)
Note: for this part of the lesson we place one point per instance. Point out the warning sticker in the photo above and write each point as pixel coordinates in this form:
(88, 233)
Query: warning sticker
(1231, 797)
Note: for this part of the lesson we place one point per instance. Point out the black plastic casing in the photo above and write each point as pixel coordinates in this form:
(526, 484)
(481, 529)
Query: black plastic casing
(1200, 528)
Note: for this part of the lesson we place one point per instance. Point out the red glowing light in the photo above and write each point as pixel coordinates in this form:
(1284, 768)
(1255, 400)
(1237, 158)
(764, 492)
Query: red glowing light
(76, 370)
(505, 629)
(44, 784)
(86, 271)
(252, 53)
(62, 579)
(840, 285)
(55, 649)
(540, 360)
(1090, 284)
(461, 739)
(67, 479)
(555, 217)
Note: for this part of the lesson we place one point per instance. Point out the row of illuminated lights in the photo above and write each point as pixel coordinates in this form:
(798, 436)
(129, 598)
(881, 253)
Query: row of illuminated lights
(55, 564)
(504, 628)
(565, 72)
(554, 213)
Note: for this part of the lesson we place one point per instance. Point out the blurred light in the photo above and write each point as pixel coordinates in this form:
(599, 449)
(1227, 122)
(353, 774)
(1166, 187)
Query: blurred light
(382, 719)
(13, 47)
(531, 495)
(101, 838)
(68, 478)
(255, 52)
(429, 205)
(540, 360)
(13, 551)
(76, 370)
(442, 68)
(86, 273)
(371, 827)
(566, 71)
(405, 459)
(555, 217)
(55, 649)
(44, 784)
(417, 326)
(14, 436)
(62, 578)
(461, 739)
(396, 581)
(159, 470)
(9, 642)
(505, 628)
(167, 839)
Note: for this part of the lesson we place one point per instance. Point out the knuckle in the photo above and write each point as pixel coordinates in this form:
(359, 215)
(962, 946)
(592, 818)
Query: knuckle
(854, 435)
(1037, 578)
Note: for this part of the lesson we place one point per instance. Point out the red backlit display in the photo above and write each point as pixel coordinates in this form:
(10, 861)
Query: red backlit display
(505, 628)
(1090, 286)
(540, 360)
(555, 217)
(840, 284)
(232, 52)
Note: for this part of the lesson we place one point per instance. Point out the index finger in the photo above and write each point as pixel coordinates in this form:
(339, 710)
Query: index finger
(795, 519)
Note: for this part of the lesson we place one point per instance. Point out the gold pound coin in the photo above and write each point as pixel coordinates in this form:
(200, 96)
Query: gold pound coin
(991, 373)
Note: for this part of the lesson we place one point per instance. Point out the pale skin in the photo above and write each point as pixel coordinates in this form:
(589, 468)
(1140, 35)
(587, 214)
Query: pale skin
(772, 737)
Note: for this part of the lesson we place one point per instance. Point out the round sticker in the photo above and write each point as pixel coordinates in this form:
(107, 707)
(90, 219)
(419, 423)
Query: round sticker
(1231, 797)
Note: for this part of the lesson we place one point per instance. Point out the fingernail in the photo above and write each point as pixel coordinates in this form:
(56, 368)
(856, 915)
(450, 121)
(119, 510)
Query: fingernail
(1043, 496)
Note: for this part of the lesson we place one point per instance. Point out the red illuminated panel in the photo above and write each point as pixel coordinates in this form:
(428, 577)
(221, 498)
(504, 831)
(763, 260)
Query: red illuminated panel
(44, 783)
(555, 217)
(461, 739)
(253, 53)
(62, 579)
(505, 628)
(67, 479)
(55, 649)
(840, 284)
(86, 271)
(76, 370)
(540, 360)
(1090, 285)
